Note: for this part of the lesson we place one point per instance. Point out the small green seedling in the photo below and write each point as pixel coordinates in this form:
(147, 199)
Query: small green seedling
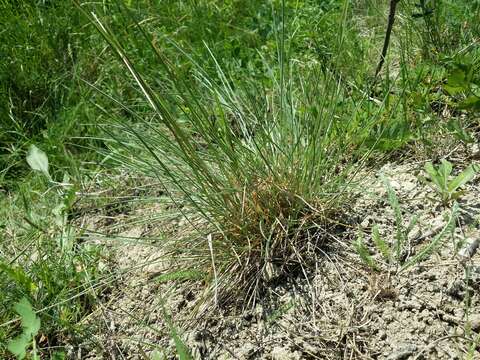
(38, 161)
(437, 241)
(394, 254)
(30, 326)
(391, 253)
(364, 253)
(182, 350)
(443, 184)
(402, 231)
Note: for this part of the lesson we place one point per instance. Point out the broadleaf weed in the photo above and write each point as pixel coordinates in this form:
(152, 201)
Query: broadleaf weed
(30, 328)
(443, 184)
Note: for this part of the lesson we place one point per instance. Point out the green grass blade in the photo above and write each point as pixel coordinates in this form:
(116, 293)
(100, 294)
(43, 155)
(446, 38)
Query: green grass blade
(461, 179)
(436, 241)
(397, 210)
(434, 176)
(380, 243)
(444, 171)
(363, 252)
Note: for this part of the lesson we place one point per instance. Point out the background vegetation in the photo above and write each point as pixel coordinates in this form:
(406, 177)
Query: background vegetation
(277, 97)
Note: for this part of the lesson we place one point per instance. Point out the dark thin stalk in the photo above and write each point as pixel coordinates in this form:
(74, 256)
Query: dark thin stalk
(388, 32)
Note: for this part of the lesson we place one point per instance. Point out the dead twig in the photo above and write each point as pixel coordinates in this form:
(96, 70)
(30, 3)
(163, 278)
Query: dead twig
(467, 252)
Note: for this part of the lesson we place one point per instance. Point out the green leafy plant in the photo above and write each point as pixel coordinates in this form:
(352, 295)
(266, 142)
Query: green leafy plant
(434, 244)
(18, 275)
(38, 161)
(402, 231)
(182, 350)
(391, 253)
(457, 129)
(257, 156)
(463, 80)
(30, 328)
(446, 185)
(397, 253)
(364, 253)
(43, 262)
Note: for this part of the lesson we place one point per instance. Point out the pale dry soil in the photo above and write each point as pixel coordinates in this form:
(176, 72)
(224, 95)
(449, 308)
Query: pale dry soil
(339, 308)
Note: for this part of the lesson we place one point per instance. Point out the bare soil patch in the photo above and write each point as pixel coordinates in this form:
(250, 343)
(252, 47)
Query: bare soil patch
(338, 308)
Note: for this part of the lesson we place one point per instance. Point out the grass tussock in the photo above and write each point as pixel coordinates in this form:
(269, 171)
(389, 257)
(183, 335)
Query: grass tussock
(260, 166)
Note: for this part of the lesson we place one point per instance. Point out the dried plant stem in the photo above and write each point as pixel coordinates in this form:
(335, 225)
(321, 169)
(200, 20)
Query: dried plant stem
(388, 32)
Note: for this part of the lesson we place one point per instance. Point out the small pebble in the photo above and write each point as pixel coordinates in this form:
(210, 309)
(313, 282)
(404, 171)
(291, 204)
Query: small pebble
(475, 322)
